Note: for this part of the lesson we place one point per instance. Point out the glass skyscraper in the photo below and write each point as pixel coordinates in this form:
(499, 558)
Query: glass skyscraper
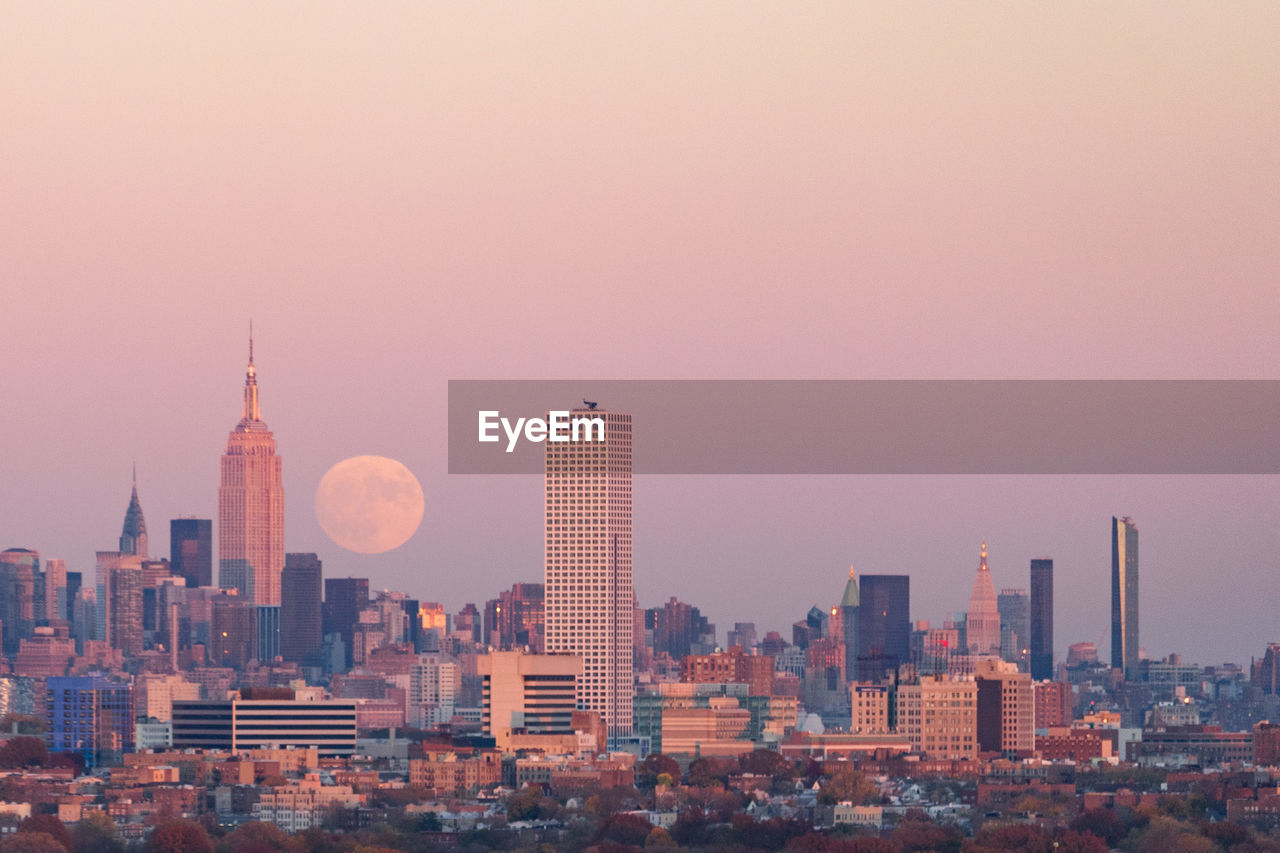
(1124, 596)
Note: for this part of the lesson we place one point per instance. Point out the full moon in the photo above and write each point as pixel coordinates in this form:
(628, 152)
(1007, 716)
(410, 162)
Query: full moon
(369, 504)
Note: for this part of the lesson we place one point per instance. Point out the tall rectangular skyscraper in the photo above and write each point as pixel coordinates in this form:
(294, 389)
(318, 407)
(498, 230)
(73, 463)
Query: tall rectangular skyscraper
(191, 550)
(251, 519)
(884, 624)
(1042, 619)
(300, 617)
(589, 594)
(1124, 596)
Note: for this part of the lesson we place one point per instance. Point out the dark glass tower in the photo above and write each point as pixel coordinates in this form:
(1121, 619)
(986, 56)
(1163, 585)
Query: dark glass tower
(884, 624)
(1042, 619)
(300, 617)
(191, 550)
(1124, 596)
(344, 598)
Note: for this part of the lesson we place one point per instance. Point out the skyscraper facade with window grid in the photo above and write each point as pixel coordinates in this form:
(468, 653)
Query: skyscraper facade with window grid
(588, 590)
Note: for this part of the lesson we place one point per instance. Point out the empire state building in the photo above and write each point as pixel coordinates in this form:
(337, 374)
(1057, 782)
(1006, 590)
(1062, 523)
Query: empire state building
(251, 518)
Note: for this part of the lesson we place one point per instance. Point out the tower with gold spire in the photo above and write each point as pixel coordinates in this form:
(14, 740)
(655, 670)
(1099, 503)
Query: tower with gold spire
(251, 516)
(982, 624)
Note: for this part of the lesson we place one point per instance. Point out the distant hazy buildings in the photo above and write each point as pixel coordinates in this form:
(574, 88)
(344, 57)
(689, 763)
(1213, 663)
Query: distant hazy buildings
(982, 625)
(1042, 619)
(1015, 616)
(589, 594)
(251, 517)
(191, 550)
(1124, 596)
(18, 569)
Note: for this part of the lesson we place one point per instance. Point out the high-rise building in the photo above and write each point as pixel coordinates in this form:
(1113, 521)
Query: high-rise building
(1041, 619)
(884, 625)
(982, 625)
(679, 629)
(516, 618)
(56, 605)
(133, 535)
(1006, 710)
(232, 629)
(344, 598)
(89, 715)
(300, 612)
(938, 714)
(1015, 618)
(191, 550)
(1124, 596)
(124, 594)
(589, 594)
(251, 518)
(18, 569)
(849, 603)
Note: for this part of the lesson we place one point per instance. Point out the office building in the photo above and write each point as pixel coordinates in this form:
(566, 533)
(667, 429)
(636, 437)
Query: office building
(18, 569)
(982, 623)
(251, 518)
(1041, 619)
(434, 683)
(523, 694)
(734, 666)
(124, 595)
(266, 717)
(191, 550)
(1124, 596)
(56, 604)
(884, 625)
(1015, 619)
(344, 599)
(589, 595)
(300, 608)
(1006, 710)
(938, 714)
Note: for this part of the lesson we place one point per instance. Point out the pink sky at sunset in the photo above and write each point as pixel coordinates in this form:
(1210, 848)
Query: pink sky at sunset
(405, 193)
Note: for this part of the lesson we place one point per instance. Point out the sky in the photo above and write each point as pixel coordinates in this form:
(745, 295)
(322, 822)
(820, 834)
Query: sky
(407, 193)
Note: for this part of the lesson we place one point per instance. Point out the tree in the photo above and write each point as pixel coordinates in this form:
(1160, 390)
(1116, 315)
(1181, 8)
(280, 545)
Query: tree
(1103, 823)
(648, 771)
(256, 837)
(23, 751)
(31, 842)
(659, 837)
(179, 836)
(95, 833)
(624, 829)
(1018, 836)
(766, 762)
(1079, 842)
(49, 825)
(847, 785)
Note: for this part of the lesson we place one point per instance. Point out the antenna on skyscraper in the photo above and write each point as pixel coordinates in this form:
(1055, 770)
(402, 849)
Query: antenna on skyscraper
(251, 340)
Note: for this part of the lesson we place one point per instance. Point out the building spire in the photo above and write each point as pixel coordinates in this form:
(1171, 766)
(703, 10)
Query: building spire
(251, 411)
(982, 559)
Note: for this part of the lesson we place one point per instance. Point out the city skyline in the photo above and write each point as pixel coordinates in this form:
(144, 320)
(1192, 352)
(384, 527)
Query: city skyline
(841, 191)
